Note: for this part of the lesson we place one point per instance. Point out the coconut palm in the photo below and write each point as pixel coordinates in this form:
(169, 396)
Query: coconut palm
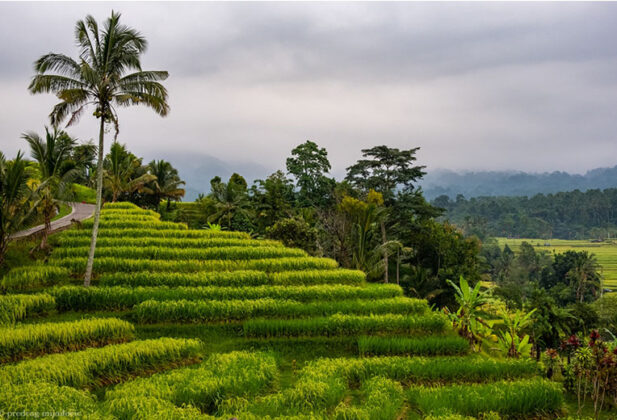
(167, 184)
(123, 172)
(16, 205)
(56, 172)
(107, 75)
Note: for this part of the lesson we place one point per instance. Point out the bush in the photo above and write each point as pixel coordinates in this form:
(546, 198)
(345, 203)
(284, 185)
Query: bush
(15, 308)
(295, 233)
(522, 398)
(426, 346)
(153, 311)
(103, 365)
(26, 340)
(33, 277)
(337, 325)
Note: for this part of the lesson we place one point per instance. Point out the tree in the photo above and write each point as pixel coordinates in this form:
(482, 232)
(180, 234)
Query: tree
(99, 78)
(273, 199)
(16, 205)
(56, 172)
(167, 184)
(585, 277)
(124, 173)
(294, 232)
(231, 202)
(309, 164)
(386, 170)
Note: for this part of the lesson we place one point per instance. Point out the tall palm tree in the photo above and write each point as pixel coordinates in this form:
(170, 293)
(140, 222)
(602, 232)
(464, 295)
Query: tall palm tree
(99, 78)
(230, 199)
(123, 172)
(56, 172)
(167, 184)
(15, 203)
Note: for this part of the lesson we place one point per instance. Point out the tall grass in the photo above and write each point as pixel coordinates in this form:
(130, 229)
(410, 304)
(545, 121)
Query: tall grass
(425, 346)
(225, 375)
(337, 325)
(163, 242)
(522, 398)
(164, 253)
(238, 278)
(33, 277)
(15, 308)
(119, 297)
(94, 367)
(36, 399)
(146, 232)
(32, 339)
(107, 264)
(153, 311)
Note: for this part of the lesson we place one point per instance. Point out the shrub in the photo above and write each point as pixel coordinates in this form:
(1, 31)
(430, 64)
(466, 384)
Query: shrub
(337, 325)
(33, 277)
(521, 398)
(164, 253)
(153, 311)
(25, 340)
(107, 264)
(119, 298)
(15, 308)
(103, 365)
(426, 346)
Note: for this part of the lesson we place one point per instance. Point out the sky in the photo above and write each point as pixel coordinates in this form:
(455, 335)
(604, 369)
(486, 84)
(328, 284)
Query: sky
(477, 86)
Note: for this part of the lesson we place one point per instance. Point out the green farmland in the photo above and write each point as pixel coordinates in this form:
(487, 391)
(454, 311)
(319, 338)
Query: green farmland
(605, 252)
(214, 324)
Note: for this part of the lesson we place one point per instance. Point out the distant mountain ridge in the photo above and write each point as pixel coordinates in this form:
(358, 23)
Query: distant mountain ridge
(513, 183)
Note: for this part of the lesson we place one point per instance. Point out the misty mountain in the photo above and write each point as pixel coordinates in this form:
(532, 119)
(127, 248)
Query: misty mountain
(198, 169)
(513, 183)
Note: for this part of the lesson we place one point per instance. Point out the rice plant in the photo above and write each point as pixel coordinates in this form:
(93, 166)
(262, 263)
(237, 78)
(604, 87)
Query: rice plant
(224, 375)
(337, 325)
(15, 308)
(520, 398)
(382, 400)
(94, 367)
(154, 233)
(39, 398)
(426, 346)
(121, 205)
(237, 278)
(166, 253)
(33, 277)
(108, 264)
(153, 311)
(164, 242)
(120, 298)
(122, 224)
(32, 339)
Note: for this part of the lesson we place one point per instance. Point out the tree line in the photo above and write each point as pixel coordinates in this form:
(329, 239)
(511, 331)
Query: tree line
(564, 215)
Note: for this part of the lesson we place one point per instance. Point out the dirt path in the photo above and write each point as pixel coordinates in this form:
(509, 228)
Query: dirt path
(79, 212)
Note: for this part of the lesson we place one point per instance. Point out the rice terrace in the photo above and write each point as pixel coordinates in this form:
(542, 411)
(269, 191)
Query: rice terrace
(173, 247)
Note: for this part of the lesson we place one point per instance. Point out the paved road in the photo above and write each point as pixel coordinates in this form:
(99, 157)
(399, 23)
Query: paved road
(80, 211)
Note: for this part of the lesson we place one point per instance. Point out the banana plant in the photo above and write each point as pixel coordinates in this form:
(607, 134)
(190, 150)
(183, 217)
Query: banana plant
(512, 341)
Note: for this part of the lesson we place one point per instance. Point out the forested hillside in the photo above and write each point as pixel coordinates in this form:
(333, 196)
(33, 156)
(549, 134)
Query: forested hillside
(564, 215)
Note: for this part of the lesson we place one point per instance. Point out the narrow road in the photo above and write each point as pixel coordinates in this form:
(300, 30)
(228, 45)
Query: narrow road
(80, 211)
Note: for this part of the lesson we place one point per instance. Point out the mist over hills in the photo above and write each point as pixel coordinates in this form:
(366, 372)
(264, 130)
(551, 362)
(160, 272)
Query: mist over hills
(513, 183)
(198, 169)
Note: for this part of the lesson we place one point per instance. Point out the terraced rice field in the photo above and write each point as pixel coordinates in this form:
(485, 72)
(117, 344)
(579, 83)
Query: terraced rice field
(198, 324)
(605, 252)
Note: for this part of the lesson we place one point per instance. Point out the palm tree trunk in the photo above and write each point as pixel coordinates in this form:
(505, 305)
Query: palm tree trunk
(385, 251)
(46, 230)
(97, 208)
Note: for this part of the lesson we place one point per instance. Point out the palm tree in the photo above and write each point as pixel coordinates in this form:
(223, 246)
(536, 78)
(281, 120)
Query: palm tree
(124, 172)
(56, 172)
(230, 199)
(15, 198)
(585, 276)
(99, 78)
(167, 183)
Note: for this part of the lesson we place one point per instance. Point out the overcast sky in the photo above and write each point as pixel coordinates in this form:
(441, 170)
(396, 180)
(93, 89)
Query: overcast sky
(530, 86)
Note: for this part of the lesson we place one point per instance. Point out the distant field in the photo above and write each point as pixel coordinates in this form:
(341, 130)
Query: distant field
(605, 252)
